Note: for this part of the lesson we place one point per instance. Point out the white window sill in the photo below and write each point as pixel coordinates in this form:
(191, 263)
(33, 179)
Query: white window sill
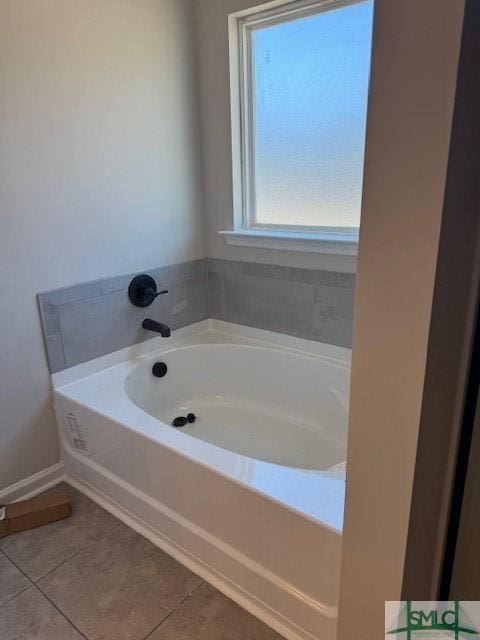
(341, 244)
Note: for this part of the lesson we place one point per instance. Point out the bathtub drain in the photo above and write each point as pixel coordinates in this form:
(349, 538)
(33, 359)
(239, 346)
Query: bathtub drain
(181, 421)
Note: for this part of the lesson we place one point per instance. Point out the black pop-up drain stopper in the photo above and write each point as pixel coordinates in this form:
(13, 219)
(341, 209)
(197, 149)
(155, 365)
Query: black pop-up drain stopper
(181, 421)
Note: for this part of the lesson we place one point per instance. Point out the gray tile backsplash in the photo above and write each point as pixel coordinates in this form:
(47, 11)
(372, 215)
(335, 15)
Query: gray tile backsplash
(54, 347)
(87, 320)
(105, 324)
(307, 303)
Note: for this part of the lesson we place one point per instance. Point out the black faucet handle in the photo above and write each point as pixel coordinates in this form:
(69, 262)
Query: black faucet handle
(159, 293)
(142, 290)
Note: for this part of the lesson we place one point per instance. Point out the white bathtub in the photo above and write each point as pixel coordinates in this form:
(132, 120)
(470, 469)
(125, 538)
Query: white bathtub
(250, 495)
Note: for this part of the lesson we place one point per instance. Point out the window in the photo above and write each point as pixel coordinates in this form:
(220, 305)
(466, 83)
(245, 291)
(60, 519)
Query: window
(299, 81)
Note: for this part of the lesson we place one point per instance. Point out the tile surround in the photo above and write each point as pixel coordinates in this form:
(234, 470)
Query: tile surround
(88, 320)
(317, 305)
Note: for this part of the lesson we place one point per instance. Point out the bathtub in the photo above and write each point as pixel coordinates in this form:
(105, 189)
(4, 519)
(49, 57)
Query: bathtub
(250, 494)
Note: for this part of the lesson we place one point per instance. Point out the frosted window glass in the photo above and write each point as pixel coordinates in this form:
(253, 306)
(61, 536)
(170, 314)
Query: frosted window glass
(310, 83)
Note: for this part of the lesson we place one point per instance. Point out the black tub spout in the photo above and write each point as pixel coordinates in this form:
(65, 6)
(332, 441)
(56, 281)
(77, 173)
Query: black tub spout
(158, 327)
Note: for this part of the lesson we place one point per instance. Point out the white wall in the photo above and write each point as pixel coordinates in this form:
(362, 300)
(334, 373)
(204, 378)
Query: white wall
(99, 175)
(211, 22)
(414, 73)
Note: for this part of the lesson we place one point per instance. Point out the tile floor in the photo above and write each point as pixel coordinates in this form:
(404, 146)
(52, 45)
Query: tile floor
(90, 576)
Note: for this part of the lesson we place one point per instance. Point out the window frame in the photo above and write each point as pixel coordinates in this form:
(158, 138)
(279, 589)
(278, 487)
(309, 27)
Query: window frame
(242, 24)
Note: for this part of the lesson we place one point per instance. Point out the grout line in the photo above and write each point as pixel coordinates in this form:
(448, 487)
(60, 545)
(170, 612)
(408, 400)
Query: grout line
(37, 587)
(34, 586)
(2, 552)
(60, 612)
(60, 333)
(189, 595)
(17, 594)
(19, 568)
(87, 546)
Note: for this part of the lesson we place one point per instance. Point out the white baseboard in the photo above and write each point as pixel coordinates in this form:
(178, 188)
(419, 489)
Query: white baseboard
(235, 592)
(33, 485)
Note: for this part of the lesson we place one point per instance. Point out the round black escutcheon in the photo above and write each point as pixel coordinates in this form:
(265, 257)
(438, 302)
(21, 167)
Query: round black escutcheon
(142, 290)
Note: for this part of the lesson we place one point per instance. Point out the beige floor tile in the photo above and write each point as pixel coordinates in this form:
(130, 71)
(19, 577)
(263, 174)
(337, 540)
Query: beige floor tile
(209, 615)
(40, 550)
(12, 581)
(119, 588)
(30, 616)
